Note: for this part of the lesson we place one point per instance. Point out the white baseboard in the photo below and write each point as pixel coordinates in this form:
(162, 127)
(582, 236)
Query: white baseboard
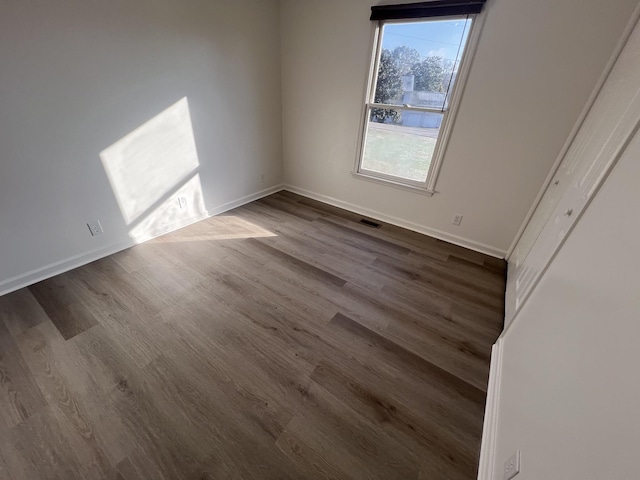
(431, 232)
(246, 199)
(56, 268)
(490, 428)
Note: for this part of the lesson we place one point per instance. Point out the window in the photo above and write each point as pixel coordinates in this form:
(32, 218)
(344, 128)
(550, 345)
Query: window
(411, 98)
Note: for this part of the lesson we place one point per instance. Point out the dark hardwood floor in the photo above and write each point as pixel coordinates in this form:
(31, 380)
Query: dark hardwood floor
(283, 339)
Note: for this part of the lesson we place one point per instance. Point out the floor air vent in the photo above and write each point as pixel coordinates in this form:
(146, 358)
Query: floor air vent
(370, 223)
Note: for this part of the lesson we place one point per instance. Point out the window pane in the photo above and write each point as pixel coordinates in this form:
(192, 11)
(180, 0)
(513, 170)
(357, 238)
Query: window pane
(456, 65)
(403, 149)
(419, 62)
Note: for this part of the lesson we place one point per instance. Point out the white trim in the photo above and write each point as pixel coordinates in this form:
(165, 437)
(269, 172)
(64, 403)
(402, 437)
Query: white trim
(244, 200)
(376, 38)
(388, 181)
(490, 428)
(635, 16)
(56, 268)
(411, 108)
(510, 296)
(431, 232)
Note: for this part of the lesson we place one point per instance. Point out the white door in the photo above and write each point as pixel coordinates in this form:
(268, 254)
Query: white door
(603, 136)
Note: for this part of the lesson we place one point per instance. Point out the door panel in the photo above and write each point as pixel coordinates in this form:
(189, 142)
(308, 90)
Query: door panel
(603, 136)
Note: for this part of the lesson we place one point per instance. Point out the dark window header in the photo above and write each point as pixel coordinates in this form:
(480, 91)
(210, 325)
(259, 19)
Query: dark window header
(435, 8)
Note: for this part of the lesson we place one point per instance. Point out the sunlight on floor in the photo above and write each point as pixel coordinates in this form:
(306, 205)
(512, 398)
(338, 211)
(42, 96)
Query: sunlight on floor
(224, 227)
(152, 168)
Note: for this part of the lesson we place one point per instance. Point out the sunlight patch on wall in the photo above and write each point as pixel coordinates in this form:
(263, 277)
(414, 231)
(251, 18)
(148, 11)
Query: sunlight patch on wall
(168, 215)
(151, 168)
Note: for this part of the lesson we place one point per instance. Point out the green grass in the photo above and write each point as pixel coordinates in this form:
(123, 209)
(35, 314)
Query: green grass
(400, 154)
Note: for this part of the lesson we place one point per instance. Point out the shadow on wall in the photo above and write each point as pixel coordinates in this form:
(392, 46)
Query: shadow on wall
(154, 174)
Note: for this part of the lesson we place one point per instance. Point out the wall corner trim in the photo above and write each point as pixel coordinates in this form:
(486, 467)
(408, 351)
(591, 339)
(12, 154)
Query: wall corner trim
(399, 222)
(490, 427)
(56, 268)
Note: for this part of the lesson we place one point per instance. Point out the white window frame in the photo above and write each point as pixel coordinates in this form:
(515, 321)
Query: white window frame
(428, 186)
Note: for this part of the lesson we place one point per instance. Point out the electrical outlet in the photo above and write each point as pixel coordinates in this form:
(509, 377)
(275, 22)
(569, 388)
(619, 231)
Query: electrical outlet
(262, 178)
(182, 201)
(457, 219)
(95, 228)
(512, 466)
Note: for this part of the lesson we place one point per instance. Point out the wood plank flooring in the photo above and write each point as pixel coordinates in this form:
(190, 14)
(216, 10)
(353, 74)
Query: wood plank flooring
(283, 339)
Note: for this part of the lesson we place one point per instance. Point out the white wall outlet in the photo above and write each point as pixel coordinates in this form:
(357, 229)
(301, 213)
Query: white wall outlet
(262, 178)
(182, 201)
(512, 466)
(457, 219)
(95, 228)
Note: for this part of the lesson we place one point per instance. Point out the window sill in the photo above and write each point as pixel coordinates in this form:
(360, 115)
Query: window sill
(391, 183)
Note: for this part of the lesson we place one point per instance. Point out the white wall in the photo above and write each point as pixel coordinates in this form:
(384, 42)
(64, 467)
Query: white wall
(570, 388)
(78, 77)
(535, 67)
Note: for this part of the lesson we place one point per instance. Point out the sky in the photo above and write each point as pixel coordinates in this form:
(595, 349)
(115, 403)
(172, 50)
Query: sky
(434, 38)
